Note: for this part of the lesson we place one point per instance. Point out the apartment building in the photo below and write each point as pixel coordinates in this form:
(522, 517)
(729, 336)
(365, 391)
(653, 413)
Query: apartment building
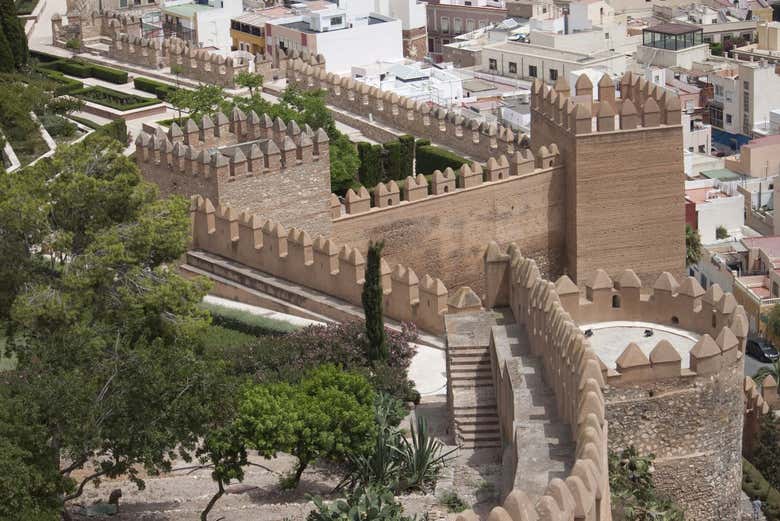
(450, 18)
(744, 97)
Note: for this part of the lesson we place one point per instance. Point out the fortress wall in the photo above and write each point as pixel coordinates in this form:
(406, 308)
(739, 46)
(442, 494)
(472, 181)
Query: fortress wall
(572, 370)
(445, 234)
(690, 418)
(693, 424)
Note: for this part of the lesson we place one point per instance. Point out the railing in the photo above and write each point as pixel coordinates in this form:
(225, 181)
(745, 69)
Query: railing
(171, 29)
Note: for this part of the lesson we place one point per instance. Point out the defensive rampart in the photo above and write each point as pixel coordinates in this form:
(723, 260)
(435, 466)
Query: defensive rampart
(250, 163)
(623, 161)
(448, 219)
(691, 417)
(320, 264)
(572, 369)
(471, 137)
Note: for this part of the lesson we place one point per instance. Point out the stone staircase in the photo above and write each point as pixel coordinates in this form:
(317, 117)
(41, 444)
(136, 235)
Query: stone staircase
(470, 382)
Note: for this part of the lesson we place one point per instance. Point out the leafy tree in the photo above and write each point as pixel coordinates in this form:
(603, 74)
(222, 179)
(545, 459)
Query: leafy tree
(203, 101)
(371, 170)
(176, 70)
(106, 335)
(692, 246)
(772, 320)
(250, 81)
(14, 33)
(774, 369)
(344, 163)
(328, 414)
(372, 303)
(633, 494)
(226, 451)
(7, 60)
(767, 450)
(721, 232)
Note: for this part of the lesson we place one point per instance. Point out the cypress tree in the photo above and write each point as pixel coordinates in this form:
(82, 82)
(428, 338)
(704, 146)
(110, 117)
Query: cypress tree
(371, 170)
(14, 33)
(407, 154)
(372, 304)
(7, 63)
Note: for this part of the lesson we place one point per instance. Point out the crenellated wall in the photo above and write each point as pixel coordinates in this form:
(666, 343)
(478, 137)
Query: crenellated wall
(248, 162)
(572, 370)
(449, 218)
(691, 418)
(624, 173)
(468, 136)
(321, 264)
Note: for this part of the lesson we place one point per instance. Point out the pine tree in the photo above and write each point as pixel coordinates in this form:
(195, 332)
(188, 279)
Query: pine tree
(14, 33)
(7, 63)
(372, 303)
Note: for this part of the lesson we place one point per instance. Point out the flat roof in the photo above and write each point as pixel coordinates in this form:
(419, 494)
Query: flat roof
(610, 339)
(721, 174)
(529, 49)
(186, 10)
(305, 27)
(669, 28)
(769, 245)
(703, 195)
(764, 141)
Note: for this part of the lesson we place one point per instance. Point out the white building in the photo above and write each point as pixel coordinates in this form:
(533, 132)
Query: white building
(714, 209)
(205, 24)
(409, 79)
(745, 98)
(345, 35)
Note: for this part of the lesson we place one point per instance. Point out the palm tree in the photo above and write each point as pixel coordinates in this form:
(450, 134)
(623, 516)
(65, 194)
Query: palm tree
(771, 370)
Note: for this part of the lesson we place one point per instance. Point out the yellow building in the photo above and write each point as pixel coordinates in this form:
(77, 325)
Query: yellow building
(248, 33)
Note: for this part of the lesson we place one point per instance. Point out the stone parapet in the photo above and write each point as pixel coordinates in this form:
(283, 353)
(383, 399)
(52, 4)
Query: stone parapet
(572, 369)
(466, 135)
(472, 175)
(642, 104)
(320, 264)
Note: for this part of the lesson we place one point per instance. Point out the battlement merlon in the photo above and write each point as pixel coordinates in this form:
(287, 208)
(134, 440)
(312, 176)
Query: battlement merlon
(321, 264)
(642, 104)
(229, 147)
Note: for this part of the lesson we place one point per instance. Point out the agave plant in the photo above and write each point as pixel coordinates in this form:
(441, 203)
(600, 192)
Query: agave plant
(422, 458)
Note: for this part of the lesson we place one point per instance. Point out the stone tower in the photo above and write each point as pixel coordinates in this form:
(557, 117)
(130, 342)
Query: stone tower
(622, 195)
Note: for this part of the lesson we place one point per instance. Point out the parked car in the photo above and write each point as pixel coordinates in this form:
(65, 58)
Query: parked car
(762, 350)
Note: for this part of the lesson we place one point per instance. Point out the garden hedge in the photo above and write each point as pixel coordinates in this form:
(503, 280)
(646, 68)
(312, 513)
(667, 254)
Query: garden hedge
(66, 85)
(85, 70)
(159, 89)
(755, 486)
(113, 98)
(430, 158)
(245, 322)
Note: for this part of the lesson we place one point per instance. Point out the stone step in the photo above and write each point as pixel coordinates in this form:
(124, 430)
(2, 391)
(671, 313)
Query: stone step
(469, 383)
(471, 370)
(469, 360)
(479, 437)
(488, 428)
(468, 351)
(475, 412)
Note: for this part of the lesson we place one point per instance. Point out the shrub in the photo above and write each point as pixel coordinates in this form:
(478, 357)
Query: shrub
(246, 322)
(365, 504)
(114, 99)
(430, 158)
(633, 494)
(73, 43)
(452, 502)
(57, 126)
(756, 487)
(108, 74)
(159, 89)
(117, 130)
(44, 57)
(65, 85)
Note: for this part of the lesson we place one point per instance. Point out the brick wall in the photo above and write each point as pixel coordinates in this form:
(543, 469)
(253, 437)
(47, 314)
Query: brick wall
(446, 234)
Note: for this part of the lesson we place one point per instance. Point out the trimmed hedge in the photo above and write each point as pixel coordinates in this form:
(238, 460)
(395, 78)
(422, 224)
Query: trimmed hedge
(430, 158)
(755, 486)
(114, 99)
(245, 322)
(159, 89)
(86, 70)
(44, 57)
(66, 85)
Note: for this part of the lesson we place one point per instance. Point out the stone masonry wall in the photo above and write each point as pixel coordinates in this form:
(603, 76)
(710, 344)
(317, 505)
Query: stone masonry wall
(445, 234)
(693, 425)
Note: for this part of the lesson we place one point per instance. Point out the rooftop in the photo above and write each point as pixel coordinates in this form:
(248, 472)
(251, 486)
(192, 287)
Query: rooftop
(610, 339)
(721, 174)
(186, 10)
(528, 49)
(669, 28)
(765, 141)
(304, 26)
(770, 245)
(703, 195)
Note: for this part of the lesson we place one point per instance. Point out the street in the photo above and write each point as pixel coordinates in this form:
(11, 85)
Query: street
(752, 365)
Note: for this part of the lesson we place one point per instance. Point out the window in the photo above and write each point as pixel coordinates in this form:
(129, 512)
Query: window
(445, 24)
(430, 44)
(469, 25)
(512, 68)
(746, 84)
(702, 149)
(122, 3)
(728, 119)
(493, 65)
(457, 26)
(445, 42)
(553, 74)
(336, 20)
(615, 301)
(532, 71)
